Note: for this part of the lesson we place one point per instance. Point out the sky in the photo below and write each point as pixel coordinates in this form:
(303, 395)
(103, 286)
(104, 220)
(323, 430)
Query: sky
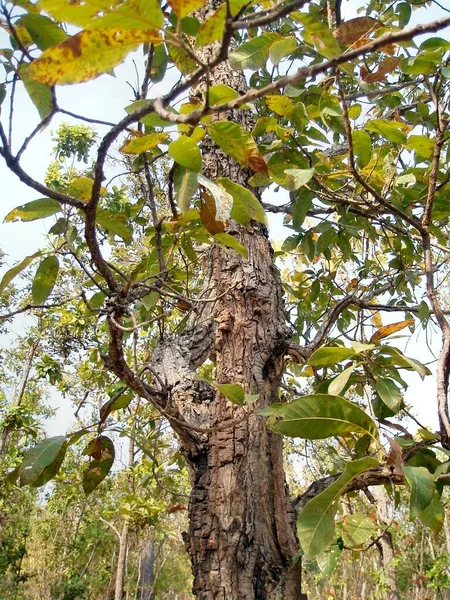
(105, 98)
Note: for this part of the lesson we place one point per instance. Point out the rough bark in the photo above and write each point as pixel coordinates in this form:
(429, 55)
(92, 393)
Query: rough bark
(241, 537)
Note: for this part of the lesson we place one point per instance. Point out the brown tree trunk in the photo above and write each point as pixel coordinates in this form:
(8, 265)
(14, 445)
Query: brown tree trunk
(241, 536)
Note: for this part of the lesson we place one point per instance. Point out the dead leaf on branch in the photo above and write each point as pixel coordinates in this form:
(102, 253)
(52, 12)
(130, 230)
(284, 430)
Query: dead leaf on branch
(351, 31)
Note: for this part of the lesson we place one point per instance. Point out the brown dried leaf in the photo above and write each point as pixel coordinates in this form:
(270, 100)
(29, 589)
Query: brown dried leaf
(386, 66)
(351, 31)
(394, 460)
(257, 163)
(208, 214)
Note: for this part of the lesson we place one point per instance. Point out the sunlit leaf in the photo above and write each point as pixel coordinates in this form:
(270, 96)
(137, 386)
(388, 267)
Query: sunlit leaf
(36, 209)
(338, 384)
(325, 357)
(222, 198)
(238, 143)
(183, 8)
(232, 391)
(231, 242)
(41, 95)
(186, 153)
(387, 330)
(45, 279)
(320, 416)
(14, 271)
(362, 147)
(211, 30)
(103, 14)
(86, 55)
(115, 224)
(44, 32)
(254, 53)
(185, 184)
(245, 205)
(143, 143)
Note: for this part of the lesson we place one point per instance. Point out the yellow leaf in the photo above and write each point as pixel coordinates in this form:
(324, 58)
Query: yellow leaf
(389, 330)
(87, 55)
(376, 319)
(350, 31)
(183, 8)
(142, 143)
(211, 30)
(104, 14)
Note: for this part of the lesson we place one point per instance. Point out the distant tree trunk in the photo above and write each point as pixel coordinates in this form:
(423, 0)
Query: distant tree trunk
(123, 542)
(146, 569)
(385, 544)
(241, 536)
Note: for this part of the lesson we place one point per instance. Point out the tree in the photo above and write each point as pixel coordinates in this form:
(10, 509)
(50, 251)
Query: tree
(189, 311)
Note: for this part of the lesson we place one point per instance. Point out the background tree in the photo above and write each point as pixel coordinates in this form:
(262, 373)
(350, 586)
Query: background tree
(170, 281)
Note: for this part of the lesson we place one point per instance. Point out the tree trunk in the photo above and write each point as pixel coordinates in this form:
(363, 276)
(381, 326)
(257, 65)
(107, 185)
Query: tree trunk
(385, 544)
(146, 569)
(241, 537)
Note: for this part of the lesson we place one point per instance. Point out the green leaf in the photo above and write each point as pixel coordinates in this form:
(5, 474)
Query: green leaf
(319, 35)
(357, 530)
(99, 14)
(282, 48)
(41, 95)
(238, 143)
(390, 130)
(43, 461)
(231, 242)
(320, 416)
(211, 30)
(45, 279)
(315, 524)
(422, 488)
(223, 201)
(234, 392)
(362, 147)
(327, 561)
(143, 143)
(9, 275)
(339, 382)
(327, 356)
(186, 153)
(221, 93)
(245, 205)
(433, 515)
(36, 209)
(183, 8)
(115, 403)
(185, 184)
(101, 450)
(254, 53)
(86, 55)
(401, 360)
(389, 394)
(297, 178)
(44, 32)
(115, 224)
